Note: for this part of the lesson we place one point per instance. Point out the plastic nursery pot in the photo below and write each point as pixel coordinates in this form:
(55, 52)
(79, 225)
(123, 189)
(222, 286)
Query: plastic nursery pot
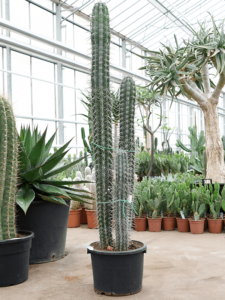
(168, 223)
(91, 218)
(117, 273)
(215, 226)
(74, 218)
(140, 224)
(197, 227)
(49, 223)
(83, 217)
(154, 225)
(14, 259)
(183, 225)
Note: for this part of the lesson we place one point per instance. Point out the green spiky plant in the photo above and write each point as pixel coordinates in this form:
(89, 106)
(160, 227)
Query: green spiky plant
(197, 206)
(8, 170)
(121, 211)
(101, 110)
(127, 131)
(37, 167)
(215, 203)
(183, 198)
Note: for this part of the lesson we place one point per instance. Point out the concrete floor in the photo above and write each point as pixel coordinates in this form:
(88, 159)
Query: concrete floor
(177, 266)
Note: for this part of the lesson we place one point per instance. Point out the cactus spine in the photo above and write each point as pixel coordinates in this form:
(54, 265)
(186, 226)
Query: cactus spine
(122, 192)
(101, 107)
(127, 112)
(8, 170)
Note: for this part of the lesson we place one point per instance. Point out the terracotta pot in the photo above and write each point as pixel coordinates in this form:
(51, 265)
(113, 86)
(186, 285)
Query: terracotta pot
(74, 218)
(183, 225)
(169, 223)
(215, 226)
(154, 225)
(91, 218)
(197, 227)
(140, 224)
(83, 217)
(205, 223)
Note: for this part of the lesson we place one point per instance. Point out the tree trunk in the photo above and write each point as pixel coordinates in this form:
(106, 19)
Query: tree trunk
(148, 138)
(214, 146)
(152, 155)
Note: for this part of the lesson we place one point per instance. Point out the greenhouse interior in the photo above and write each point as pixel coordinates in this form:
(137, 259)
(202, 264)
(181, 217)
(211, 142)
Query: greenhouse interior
(112, 149)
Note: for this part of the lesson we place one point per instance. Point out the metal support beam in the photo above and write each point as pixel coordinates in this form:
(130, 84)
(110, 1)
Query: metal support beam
(59, 77)
(124, 53)
(8, 53)
(170, 15)
(56, 44)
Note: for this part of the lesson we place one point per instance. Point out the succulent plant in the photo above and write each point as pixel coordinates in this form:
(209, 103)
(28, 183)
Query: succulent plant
(37, 166)
(122, 210)
(8, 170)
(127, 131)
(101, 110)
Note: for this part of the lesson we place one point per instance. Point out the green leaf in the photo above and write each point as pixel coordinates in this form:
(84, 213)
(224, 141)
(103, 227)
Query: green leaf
(33, 174)
(61, 183)
(59, 151)
(49, 145)
(59, 170)
(37, 153)
(49, 165)
(24, 162)
(50, 189)
(53, 199)
(28, 141)
(24, 197)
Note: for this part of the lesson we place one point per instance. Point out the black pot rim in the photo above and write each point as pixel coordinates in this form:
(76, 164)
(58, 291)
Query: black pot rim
(18, 240)
(143, 249)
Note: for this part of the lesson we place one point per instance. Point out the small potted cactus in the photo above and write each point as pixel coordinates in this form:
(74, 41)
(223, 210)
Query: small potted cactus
(215, 223)
(74, 214)
(114, 250)
(14, 246)
(198, 208)
(182, 203)
(169, 220)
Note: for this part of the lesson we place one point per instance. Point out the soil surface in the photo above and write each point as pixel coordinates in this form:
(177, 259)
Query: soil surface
(133, 246)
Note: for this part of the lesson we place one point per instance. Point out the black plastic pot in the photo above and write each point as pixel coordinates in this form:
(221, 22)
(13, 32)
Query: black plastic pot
(49, 223)
(117, 273)
(14, 259)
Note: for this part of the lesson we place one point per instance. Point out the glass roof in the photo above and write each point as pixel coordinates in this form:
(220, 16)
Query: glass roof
(150, 22)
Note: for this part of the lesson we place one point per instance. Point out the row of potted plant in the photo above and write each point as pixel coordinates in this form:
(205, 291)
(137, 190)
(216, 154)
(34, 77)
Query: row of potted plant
(191, 206)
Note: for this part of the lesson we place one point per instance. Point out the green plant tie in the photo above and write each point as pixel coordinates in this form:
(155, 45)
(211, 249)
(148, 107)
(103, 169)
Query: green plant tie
(124, 201)
(105, 148)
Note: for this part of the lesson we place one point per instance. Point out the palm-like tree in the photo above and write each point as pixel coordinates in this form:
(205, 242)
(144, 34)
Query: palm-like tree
(185, 70)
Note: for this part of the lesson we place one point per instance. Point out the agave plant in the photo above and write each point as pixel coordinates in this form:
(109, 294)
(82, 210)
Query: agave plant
(37, 166)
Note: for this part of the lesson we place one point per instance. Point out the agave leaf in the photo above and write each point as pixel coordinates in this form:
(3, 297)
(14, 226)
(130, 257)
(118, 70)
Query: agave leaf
(53, 199)
(50, 189)
(27, 141)
(38, 151)
(24, 197)
(51, 164)
(59, 151)
(24, 162)
(61, 183)
(49, 145)
(32, 175)
(59, 170)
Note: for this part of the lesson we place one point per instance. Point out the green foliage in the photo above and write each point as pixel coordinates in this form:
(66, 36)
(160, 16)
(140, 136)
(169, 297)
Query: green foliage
(8, 170)
(101, 109)
(164, 164)
(37, 167)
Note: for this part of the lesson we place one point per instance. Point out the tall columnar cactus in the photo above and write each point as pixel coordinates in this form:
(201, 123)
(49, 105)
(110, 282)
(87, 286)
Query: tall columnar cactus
(127, 112)
(101, 108)
(122, 210)
(8, 170)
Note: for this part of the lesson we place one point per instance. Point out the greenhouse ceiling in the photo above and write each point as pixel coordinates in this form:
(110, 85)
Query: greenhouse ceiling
(147, 23)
